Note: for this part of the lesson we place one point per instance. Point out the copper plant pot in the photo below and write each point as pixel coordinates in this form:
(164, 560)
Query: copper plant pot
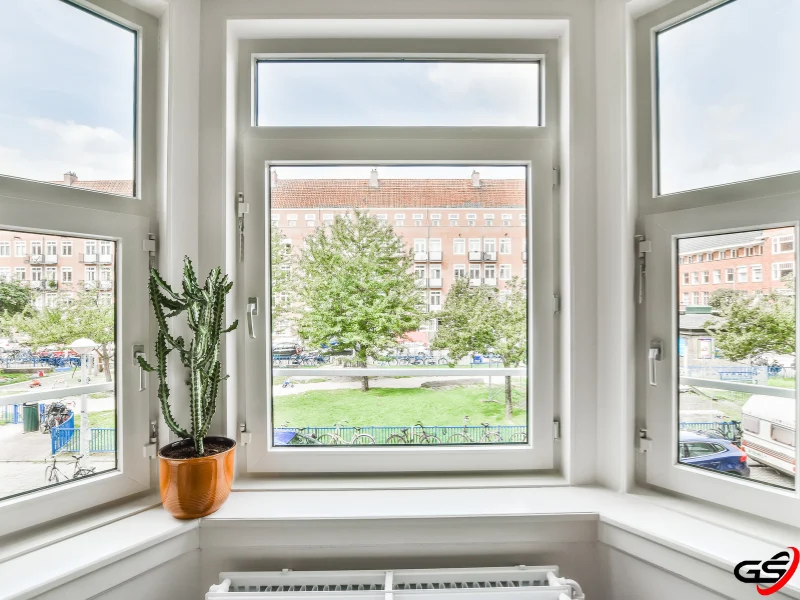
(196, 487)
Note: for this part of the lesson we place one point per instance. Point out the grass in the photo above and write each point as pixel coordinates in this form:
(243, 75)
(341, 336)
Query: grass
(782, 382)
(396, 406)
(730, 403)
(101, 419)
(9, 378)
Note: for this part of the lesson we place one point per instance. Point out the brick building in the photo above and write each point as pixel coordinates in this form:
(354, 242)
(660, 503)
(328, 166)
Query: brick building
(456, 227)
(756, 262)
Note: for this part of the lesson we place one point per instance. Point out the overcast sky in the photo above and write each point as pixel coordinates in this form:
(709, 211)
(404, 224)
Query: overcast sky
(729, 88)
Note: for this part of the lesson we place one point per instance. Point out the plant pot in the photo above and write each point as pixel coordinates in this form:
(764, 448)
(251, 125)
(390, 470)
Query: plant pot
(196, 487)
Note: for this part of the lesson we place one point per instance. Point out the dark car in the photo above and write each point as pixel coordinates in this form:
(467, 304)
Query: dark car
(285, 349)
(712, 451)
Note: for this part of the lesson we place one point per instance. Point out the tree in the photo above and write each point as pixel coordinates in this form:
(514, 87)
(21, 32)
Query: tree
(721, 298)
(478, 319)
(749, 327)
(86, 316)
(14, 297)
(357, 288)
(281, 257)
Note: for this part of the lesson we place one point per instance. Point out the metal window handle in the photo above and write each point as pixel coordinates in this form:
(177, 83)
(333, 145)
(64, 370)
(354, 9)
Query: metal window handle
(653, 356)
(138, 350)
(252, 311)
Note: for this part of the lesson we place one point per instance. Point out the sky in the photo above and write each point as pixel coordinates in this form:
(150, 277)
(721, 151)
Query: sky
(401, 172)
(729, 95)
(67, 101)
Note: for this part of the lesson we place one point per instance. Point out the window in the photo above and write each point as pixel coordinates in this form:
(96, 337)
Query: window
(695, 279)
(488, 220)
(505, 272)
(51, 248)
(36, 248)
(782, 435)
(751, 424)
(706, 298)
(401, 92)
(691, 129)
(756, 272)
(420, 287)
(291, 220)
(453, 219)
(705, 277)
(435, 219)
(327, 218)
(708, 257)
(36, 274)
(19, 273)
(717, 276)
(783, 244)
(96, 128)
(66, 248)
(696, 298)
(51, 274)
(66, 274)
(505, 246)
(311, 219)
(400, 220)
(685, 298)
(275, 218)
(742, 274)
(729, 275)
(782, 271)
(686, 278)
(506, 220)
(20, 249)
(5, 249)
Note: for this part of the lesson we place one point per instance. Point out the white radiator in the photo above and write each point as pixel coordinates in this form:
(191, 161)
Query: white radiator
(511, 583)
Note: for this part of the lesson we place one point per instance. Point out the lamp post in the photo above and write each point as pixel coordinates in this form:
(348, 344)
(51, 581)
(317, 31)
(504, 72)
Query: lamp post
(84, 347)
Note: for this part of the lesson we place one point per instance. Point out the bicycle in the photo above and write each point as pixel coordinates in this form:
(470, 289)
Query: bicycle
(56, 414)
(52, 472)
(301, 438)
(361, 439)
(490, 437)
(519, 438)
(333, 439)
(421, 437)
(462, 437)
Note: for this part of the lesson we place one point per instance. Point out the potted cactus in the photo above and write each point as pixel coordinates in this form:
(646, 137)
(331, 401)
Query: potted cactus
(195, 472)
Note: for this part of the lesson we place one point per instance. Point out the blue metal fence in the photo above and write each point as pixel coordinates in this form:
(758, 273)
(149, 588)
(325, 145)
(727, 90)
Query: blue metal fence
(67, 438)
(286, 435)
(10, 414)
(730, 429)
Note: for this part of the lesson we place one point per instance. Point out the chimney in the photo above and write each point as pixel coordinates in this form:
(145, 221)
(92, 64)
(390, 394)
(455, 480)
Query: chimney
(373, 178)
(273, 174)
(476, 179)
(70, 177)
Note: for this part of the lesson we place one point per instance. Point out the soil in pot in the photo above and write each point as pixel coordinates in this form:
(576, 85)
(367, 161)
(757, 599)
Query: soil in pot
(183, 450)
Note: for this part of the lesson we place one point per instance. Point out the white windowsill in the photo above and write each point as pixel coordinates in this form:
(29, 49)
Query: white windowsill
(668, 532)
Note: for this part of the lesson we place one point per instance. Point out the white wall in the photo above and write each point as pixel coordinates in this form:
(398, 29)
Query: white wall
(177, 579)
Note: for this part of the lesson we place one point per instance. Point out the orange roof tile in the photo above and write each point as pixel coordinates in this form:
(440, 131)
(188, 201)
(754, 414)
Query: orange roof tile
(121, 187)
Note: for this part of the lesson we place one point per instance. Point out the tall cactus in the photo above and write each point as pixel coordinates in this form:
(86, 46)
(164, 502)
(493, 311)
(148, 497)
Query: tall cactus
(205, 309)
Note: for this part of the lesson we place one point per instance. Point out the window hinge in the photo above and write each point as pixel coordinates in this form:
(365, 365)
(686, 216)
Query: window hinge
(242, 208)
(245, 437)
(556, 429)
(643, 247)
(556, 177)
(645, 443)
(556, 304)
(149, 245)
(149, 450)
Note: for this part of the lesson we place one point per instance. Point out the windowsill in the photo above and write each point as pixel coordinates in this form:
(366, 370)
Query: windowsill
(696, 541)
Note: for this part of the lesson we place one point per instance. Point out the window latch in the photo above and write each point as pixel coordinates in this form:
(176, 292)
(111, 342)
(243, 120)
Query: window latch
(643, 247)
(654, 356)
(645, 443)
(242, 208)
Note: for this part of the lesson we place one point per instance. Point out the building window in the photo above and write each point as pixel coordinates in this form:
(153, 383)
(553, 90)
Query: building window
(275, 218)
(489, 272)
(696, 298)
(5, 248)
(742, 274)
(706, 298)
(506, 220)
(88, 129)
(399, 220)
(420, 245)
(706, 277)
(783, 244)
(20, 249)
(435, 219)
(19, 273)
(782, 270)
(327, 219)
(291, 220)
(685, 297)
(505, 272)
(488, 220)
(717, 276)
(453, 219)
(36, 248)
(311, 219)
(490, 245)
(756, 273)
(435, 298)
(729, 276)
(36, 274)
(475, 244)
(695, 279)
(686, 278)
(51, 248)
(66, 274)
(459, 271)
(66, 248)
(471, 217)
(505, 245)
(459, 246)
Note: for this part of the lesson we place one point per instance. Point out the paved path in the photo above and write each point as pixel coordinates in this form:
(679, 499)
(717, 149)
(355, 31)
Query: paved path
(344, 383)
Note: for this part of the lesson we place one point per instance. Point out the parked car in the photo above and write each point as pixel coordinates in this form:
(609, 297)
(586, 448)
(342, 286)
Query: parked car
(285, 349)
(712, 451)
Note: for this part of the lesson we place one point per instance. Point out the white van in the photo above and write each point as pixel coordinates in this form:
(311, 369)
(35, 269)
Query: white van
(768, 436)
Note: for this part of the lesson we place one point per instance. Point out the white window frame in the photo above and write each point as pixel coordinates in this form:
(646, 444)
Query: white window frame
(504, 268)
(716, 276)
(741, 274)
(17, 271)
(756, 269)
(460, 267)
(20, 248)
(459, 242)
(5, 249)
(777, 267)
(776, 244)
(764, 203)
(89, 214)
(505, 245)
(64, 272)
(264, 147)
(66, 248)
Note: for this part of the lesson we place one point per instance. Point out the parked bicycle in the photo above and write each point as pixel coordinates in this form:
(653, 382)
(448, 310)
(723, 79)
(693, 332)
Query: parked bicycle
(415, 435)
(56, 414)
(487, 437)
(52, 474)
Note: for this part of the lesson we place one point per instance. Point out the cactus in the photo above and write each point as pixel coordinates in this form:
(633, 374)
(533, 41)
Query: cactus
(205, 309)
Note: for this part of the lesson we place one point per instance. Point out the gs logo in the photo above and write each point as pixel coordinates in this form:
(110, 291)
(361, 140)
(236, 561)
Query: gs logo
(775, 572)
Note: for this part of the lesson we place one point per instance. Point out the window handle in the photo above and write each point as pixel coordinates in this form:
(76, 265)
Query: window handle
(653, 356)
(252, 311)
(138, 350)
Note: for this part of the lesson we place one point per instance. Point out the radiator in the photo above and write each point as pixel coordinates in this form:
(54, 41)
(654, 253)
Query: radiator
(511, 583)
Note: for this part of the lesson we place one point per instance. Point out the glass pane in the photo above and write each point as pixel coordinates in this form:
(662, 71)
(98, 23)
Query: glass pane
(397, 93)
(736, 353)
(67, 111)
(394, 334)
(56, 338)
(728, 95)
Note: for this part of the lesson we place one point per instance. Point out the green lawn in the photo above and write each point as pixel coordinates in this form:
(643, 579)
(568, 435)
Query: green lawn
(397, 406)
(101, 419)
(782, 382)
(9, 378)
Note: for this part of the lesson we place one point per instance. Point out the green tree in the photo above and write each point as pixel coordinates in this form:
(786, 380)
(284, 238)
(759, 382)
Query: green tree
(85, 316)
(357, 288)
(721, 298)
(478, 319)
(14, 297)
(749, 327)
(281, 257)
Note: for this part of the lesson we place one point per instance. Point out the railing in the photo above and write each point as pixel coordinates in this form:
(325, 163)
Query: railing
(490, 256)
(434, 308)
(88, 259)
(420, 256)
(733, 386)
(10, 414)
(106, 285)
(475, 255)
(104, 439)
(105, 259)
(381, 434)
(435, 256)
(730, 429)
(435, 283)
